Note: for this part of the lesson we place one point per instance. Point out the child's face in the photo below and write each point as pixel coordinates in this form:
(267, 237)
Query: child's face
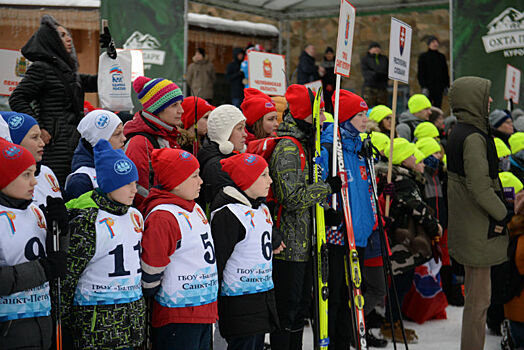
(189, 189)
(261, 186)
(125, 194)
(33, 142)
(360, 121)
(23, 186)
(202, 124)
(118, 139)
(270, 123)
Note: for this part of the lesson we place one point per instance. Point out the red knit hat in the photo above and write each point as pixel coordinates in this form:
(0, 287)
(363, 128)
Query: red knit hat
(349, 105)
(297, 97)
(172, 166)
(244, 169)
(252, 92)
(255, 108)
(188, 118)
(14, 160)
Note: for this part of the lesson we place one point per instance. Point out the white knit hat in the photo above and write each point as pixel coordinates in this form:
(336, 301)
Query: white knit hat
(220, 125)
(98, 124)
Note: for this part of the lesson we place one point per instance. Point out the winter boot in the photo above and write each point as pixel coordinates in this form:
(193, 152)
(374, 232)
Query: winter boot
(506, 343)
(411, 336)
(374, 342)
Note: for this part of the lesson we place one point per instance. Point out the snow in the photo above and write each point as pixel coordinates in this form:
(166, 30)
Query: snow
(432, 335)
(62, 3)
(222, 24)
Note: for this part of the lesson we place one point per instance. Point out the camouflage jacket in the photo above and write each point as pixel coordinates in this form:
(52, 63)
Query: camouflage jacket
(293, 191)
(98, 326)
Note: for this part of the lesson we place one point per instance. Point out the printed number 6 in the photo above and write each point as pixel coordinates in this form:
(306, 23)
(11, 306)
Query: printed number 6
(209, 257)
(267, 248)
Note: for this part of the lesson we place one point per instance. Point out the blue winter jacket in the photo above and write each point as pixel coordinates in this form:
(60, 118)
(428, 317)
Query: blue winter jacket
(359, 183)
(79, 184)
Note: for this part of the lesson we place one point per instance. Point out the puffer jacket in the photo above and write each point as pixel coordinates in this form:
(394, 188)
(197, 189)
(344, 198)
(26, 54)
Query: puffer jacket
(112, 326)
(294, 192)
(475, 202)
(52, 92)
(247, 314)
(78, 184)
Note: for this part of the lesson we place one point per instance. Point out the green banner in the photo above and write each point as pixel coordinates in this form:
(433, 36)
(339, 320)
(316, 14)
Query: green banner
(487, 36)
(154, 26)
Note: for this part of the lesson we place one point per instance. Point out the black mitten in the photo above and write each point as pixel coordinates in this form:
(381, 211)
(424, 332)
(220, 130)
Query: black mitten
(335, 183)
(55, 265)
(106, 41)
(332, 217)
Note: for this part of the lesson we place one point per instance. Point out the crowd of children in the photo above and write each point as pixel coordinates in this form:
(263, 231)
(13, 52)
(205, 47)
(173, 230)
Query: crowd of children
(165, 224)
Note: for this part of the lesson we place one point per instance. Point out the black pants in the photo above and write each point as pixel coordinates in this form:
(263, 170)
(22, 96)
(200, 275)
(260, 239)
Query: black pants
(403, 283)
(249, 342)
(293, 283)
(183, 336)
(435, 96)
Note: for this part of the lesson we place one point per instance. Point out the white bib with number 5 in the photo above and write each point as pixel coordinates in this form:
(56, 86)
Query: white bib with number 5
(113, 274)
(191, 278)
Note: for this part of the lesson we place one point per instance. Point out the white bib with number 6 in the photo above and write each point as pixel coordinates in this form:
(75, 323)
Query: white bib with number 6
(191, 277)
(113, 274)
(249, 269)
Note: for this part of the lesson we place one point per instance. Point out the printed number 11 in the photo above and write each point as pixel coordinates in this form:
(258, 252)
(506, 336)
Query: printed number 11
(118, 252)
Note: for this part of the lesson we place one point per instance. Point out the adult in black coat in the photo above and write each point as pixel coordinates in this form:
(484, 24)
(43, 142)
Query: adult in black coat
(307, 70)
(52, 91)
(234, 76)
(433, 75)
(329, 78)
(375, 72)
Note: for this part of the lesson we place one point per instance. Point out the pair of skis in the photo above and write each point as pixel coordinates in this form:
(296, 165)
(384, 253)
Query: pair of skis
(320, 250)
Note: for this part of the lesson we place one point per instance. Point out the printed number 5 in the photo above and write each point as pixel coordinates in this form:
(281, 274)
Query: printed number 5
(209, 257)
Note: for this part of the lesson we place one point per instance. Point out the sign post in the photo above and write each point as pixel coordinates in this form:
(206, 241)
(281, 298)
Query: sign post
(512, 86)
(267, 72)
(399, 55)
(346, 29)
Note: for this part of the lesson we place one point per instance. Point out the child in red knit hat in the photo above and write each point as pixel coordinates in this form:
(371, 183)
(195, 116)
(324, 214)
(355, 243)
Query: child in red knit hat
(242, 230)
(260, 113)
(194, 105)
(27, 255)
(178, 257)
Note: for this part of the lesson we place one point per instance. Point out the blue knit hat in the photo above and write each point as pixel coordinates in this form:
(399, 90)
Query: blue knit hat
(113, 168)
(19, 125)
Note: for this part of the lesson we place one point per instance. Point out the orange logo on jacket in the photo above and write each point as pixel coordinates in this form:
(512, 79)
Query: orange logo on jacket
(202, 215)
(138, 223)
(39, 217)
(55, 187)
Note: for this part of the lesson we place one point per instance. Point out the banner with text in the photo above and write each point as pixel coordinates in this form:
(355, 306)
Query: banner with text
(267, 72)
(512, 88)
(156, 27)
(12, 70)
(346, 28)
(487, 36)
(399, 50)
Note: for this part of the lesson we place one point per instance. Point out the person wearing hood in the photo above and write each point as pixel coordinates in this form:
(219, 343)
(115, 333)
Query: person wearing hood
(53, 82)
(295, 195)
(307, 70)
(477, 213)
(29, 260)
(235, 76)
(419, 109)
(226, 136)
(96, 125)
(432, 74)
(353, 121)
(201, 75)
(501, 125)
(155, 126)
(375, 72)
(25, 131)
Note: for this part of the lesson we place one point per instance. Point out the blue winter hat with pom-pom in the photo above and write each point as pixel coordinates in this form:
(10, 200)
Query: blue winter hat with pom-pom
(113, 168)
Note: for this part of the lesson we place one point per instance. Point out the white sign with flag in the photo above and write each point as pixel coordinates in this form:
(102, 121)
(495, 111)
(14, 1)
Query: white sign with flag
(346, 28)
(12, 70)
(399, 50)
(267, 72)
(512, 87)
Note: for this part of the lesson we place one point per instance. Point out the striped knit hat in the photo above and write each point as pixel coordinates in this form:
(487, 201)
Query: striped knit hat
(156, 94)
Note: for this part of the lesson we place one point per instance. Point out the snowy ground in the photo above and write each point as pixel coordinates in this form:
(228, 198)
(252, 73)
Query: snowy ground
(432, 335)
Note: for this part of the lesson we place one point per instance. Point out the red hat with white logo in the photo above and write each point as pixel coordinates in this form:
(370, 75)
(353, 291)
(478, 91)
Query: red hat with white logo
(349, 105)
(14, 160)
(202, 107)
(244, 169)
(255, 108)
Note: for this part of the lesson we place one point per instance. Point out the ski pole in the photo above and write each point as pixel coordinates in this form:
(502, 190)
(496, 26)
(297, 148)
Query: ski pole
(56, 247)
(385, 256)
